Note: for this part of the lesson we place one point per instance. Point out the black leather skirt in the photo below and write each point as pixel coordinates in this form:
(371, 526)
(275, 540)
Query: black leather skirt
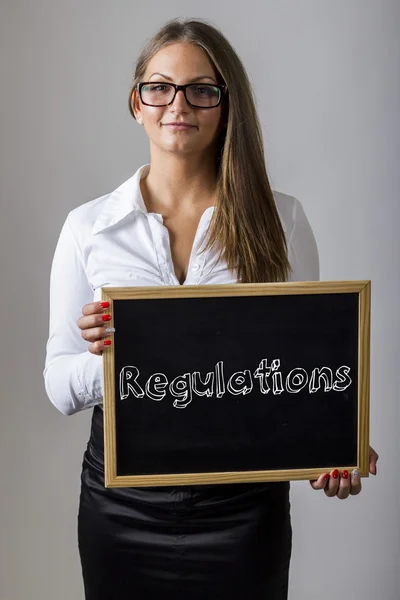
(211, 542)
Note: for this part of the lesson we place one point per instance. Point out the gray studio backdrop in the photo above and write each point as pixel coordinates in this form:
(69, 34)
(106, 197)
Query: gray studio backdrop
(327, 80)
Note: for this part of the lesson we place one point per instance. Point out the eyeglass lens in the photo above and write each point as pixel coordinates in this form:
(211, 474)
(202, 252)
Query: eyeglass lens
(200, 95)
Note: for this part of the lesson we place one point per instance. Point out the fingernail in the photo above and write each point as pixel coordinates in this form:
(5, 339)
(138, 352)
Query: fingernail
(326, 477)
(104, 304)
(106, 317)
(107, 343)
(345, 474)
(335, 474)
(355, 474)
(109, 330)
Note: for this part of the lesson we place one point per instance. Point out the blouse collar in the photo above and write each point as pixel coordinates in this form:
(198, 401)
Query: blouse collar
(122, 201)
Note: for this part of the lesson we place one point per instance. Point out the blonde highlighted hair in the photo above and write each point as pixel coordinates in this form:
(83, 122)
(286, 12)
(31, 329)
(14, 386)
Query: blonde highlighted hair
(245, 226)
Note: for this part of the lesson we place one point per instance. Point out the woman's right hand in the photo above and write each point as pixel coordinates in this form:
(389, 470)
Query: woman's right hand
(94, 326)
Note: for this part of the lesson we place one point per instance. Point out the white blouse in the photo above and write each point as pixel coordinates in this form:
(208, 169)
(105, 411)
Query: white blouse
(114, 241)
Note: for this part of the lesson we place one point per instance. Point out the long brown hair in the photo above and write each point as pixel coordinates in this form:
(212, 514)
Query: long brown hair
(245, 225)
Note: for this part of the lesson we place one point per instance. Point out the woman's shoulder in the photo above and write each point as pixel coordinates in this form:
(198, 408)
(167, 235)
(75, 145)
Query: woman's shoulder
(80, 221)
(302, 246)
(98, 214)
(85, 215)
(288, 208)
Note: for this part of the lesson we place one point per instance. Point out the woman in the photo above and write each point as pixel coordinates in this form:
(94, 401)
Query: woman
(206, 182)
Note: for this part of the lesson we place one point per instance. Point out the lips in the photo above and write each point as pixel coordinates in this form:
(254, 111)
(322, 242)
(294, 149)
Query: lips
(178, 125)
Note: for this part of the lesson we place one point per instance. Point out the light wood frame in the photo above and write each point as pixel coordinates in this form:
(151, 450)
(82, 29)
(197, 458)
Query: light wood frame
(363, 288)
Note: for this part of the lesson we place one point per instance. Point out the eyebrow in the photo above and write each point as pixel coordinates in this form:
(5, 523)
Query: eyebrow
(190, 80)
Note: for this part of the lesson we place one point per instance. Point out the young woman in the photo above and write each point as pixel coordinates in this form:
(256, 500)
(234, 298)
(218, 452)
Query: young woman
(206, 182)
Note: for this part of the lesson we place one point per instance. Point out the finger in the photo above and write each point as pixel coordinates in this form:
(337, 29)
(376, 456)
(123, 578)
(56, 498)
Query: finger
(344, 486)
(355, 483)
(320, 483)
(333, 485)
(99, 346)
(373, 459)
(95, 308)
(93, 320)
(96, 333)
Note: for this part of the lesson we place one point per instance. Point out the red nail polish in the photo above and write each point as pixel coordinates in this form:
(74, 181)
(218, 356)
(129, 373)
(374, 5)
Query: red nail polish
(104, 304)
(107, 342)
(335, 474)
(345, 474)
(326, 477)
(106, 317)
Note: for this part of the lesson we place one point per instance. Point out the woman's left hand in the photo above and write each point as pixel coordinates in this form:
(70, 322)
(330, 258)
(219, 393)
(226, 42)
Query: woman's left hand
(344, 484)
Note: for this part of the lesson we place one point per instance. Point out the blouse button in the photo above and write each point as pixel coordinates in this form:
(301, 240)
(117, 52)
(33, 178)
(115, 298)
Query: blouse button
(196, 267)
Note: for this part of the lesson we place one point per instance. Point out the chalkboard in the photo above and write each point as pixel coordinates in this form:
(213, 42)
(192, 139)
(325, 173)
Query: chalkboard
(235, 383)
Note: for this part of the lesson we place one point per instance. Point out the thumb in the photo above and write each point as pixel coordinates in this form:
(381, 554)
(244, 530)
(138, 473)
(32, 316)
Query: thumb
(320, 483)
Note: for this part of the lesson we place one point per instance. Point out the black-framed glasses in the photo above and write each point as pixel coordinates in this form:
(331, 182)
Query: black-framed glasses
(198, 95)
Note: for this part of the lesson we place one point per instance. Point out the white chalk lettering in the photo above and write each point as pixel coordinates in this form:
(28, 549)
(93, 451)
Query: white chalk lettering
(155, 386)
(219, 375)
(213, 384)
(277, 384)
(203, 388)
(240, 383)
(262, 373)
(181, 388)
(296, 380)
(342, 373)
(326, 374)
(126, 385)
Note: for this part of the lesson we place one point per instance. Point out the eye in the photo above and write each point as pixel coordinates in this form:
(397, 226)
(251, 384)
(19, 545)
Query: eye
(205, 90)
(157, 87)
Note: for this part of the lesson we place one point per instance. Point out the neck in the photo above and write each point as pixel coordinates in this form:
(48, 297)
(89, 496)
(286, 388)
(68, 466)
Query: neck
(179, 183)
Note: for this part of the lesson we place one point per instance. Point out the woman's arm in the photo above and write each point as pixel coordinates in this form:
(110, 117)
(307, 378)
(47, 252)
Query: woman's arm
(302, 247)
(73, 376)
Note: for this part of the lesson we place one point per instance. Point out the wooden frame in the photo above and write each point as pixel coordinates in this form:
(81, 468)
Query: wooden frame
(362, 288)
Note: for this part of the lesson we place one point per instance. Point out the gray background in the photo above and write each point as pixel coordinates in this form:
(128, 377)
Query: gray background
(327, 80)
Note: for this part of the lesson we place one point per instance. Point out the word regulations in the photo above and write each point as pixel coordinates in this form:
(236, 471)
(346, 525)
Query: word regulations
(235, 383)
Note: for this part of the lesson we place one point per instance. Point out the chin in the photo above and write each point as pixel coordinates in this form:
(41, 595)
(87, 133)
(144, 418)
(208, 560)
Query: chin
(180, 147)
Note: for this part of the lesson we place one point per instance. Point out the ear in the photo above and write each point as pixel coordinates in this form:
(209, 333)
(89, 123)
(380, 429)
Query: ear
(135, 103)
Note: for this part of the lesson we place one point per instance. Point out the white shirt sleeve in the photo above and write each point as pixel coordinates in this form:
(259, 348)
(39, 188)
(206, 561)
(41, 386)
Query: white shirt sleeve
(73, 376)
(302, 248)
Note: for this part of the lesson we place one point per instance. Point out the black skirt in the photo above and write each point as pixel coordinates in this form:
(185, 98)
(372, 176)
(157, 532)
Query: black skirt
(211, 542)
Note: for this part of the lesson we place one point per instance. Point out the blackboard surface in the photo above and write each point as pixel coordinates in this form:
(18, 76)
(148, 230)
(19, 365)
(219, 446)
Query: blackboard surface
(236, 383)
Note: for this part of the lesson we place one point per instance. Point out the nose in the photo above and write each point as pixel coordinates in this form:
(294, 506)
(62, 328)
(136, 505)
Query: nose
(180, 102)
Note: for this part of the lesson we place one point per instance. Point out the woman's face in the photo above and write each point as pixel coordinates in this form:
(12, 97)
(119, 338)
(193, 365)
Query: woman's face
(180, 63)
